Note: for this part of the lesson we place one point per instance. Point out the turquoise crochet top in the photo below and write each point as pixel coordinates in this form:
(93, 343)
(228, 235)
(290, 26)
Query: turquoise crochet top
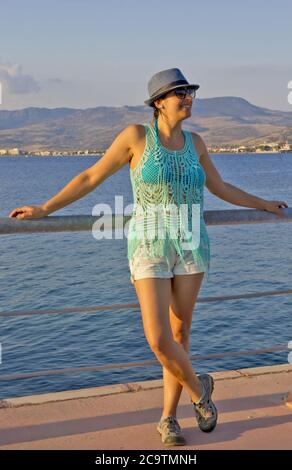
(173, 182)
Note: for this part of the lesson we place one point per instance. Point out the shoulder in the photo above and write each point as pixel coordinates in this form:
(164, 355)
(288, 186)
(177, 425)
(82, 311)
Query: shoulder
(199, 144)
(132, 130)
(133, 133)
(129, 135)
(133, 137)
(135, 130)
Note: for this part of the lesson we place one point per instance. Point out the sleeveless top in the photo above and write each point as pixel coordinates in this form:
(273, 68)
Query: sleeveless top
(168, 192)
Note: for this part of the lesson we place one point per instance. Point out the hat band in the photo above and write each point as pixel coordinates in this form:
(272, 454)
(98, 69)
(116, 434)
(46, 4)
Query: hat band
(170, 85)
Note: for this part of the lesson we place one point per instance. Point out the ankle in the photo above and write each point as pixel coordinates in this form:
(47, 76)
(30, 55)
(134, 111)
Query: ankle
(165, 415)
(202, 393)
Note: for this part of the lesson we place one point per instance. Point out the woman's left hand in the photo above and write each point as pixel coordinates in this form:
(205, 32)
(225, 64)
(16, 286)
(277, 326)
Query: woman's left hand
(275, 206)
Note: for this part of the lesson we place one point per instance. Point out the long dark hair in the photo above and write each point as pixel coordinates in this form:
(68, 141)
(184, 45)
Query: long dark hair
(156, 111)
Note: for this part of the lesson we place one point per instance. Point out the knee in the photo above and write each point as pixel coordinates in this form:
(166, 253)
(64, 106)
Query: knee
(160, 345)
(181, 334)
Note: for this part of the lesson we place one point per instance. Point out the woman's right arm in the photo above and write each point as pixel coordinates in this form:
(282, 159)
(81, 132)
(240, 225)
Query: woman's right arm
(116, 156)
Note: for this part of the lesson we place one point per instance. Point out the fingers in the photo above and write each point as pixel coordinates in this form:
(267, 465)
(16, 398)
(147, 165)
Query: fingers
(19, 213)
(16, 211)
(276, 207)
(282, 204)
(24, 215)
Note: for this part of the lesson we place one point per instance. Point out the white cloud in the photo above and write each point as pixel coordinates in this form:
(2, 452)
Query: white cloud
(16, 81)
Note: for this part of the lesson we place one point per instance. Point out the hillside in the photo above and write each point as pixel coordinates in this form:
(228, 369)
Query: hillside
(220, 121)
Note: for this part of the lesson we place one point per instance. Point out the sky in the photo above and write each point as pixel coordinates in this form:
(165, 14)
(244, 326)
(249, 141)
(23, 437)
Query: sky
(88, 53)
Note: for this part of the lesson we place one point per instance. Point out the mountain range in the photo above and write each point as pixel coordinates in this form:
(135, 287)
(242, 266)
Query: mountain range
(220, 121)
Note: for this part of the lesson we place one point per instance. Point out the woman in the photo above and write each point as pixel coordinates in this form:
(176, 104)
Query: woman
(168, 168)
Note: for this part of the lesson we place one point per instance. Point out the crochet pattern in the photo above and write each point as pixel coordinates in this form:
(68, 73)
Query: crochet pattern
(164, 182)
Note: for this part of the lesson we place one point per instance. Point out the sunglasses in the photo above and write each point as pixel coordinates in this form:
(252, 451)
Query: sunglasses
(181, 93)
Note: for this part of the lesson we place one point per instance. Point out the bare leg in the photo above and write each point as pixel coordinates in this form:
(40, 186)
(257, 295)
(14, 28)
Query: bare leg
(171, 392)
(154, 295)
(185, 289)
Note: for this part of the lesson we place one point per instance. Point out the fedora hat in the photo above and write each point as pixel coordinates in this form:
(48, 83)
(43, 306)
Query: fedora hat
(165, 81)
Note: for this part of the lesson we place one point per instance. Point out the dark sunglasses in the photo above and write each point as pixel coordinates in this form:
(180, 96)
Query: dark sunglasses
(181, 93)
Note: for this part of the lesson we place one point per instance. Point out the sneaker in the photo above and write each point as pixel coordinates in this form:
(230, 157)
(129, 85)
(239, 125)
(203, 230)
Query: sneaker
(170, 431)
(205, 410)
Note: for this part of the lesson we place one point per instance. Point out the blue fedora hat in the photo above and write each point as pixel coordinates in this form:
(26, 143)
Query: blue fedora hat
(165, 81)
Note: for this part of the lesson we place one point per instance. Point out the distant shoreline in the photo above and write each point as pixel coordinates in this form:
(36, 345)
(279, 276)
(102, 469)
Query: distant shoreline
(52, 156)
(98, 155)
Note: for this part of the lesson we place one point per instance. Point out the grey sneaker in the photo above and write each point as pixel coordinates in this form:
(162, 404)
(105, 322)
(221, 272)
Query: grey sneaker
(170, 431)
(205, 410)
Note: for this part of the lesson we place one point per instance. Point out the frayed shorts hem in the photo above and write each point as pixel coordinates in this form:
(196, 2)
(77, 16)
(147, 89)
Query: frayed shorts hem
(137, 276)
(142, 267)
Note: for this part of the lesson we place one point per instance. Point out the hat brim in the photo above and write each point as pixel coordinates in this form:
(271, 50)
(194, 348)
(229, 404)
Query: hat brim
(150, 101)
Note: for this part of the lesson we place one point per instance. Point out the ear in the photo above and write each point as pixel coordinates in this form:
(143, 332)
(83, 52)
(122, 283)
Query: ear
(158, 102)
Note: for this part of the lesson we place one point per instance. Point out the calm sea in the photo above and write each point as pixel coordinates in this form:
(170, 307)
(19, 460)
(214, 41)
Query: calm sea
(40, 271)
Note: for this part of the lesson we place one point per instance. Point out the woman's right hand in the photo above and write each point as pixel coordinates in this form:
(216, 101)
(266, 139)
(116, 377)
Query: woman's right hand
(28, 212)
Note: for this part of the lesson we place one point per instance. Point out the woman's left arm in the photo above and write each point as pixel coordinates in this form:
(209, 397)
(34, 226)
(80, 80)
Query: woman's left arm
(230, 193)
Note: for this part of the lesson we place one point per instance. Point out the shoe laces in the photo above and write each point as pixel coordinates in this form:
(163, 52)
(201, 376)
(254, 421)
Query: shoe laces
(205, 409)
(172, 423)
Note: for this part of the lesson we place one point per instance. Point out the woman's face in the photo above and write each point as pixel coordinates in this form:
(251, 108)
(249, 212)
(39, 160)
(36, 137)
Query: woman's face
(174, 106)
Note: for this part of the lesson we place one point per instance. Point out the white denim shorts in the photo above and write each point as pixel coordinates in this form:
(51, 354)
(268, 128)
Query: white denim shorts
(142, 267)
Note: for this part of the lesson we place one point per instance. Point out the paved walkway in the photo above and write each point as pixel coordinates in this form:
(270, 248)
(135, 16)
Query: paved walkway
(254, 413)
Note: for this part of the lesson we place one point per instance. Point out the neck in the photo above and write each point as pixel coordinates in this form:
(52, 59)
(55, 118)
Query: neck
(171, 131)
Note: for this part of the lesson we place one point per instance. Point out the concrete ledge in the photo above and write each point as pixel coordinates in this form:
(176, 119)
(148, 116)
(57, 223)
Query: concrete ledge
(226, 375)
(138, 386)
(265, 370)
(63, 396)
